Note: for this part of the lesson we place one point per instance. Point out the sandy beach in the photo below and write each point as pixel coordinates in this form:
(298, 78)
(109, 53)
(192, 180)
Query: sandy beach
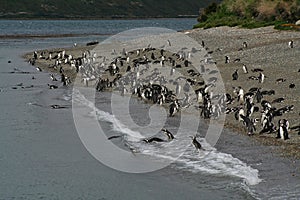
(267, 49)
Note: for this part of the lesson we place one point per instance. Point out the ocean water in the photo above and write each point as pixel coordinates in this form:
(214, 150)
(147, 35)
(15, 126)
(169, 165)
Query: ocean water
(42, 156)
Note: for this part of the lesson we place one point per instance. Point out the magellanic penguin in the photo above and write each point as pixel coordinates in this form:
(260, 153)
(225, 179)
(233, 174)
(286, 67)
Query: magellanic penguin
(245, 69)
(235, 75)
(168, 133)
(174, 107)
(52, 86)
(153, 139)
(197, 144)
(291, 44)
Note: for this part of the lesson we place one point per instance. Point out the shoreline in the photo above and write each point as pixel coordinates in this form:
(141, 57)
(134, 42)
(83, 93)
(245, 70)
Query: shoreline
(108, 18)
(20, 36)
(265, 45)
(215, 38)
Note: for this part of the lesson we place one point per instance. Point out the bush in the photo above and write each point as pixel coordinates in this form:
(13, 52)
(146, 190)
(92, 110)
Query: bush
(248, 14)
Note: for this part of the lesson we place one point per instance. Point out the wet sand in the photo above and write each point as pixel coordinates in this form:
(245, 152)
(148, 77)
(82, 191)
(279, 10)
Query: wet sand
(20, 36)
(267, 49)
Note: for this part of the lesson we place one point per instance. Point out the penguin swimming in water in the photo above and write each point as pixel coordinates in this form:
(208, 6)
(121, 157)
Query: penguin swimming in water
(153, 139)
(114, 137)
(168, 133)
(55, 106)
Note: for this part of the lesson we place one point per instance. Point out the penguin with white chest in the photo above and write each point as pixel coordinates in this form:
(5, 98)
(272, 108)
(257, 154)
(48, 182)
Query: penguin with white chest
(282, 132)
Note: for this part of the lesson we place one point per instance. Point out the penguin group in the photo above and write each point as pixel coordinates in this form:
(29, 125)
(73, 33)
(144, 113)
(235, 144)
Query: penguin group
(254, 101)
(60, 61)
(137, 73)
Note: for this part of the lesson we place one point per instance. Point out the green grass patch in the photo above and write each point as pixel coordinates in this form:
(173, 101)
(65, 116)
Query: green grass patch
(249, 14)
(232, 21)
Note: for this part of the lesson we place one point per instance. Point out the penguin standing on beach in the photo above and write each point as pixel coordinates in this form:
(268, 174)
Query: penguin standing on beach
(240, 94)
(53, 77)
(285, 129)
(261, 77)
(202, 44)
(172, 72)
(63, 78)
(169, 42)
(291, 44)
(282, 132)
(235, 75)
(178, 88)
(227, 59)
(239, 114)
(258, 96)
(35, 55)
(250, 124)
(292, 85)
(197, 144)
(173, 108)
(245, 69)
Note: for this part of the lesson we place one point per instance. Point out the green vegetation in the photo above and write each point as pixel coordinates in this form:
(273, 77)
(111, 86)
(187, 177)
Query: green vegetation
(95, 9)
(251, 14)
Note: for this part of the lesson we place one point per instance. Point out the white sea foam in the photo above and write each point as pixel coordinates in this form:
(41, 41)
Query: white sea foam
(105, 116)
(208, 161)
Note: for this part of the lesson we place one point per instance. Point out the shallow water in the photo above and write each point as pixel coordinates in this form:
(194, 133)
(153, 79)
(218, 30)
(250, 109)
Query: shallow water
(41, 155)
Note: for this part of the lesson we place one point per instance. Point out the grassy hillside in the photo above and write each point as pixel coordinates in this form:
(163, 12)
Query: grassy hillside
(99, 8)
(250, 13)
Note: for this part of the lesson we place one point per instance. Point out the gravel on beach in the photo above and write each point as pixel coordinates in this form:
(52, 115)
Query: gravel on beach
(267, 49)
